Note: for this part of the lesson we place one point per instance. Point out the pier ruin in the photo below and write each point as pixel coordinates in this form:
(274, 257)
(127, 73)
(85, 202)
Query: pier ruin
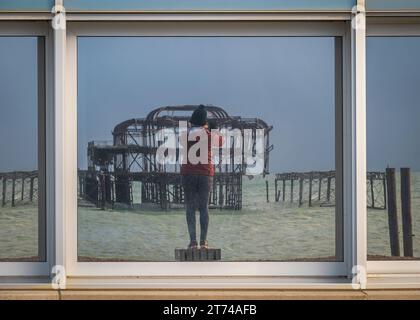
(317, 188)
(18, 187)
(114, 167)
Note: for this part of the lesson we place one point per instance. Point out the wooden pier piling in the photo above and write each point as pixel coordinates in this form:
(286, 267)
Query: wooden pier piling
(291, 190)
(221, 197)
(22, 194)
(13, 189)
(300, 191)
(310, 189)
(329, 189)
(31, 189)
(81, 185)
(3, 200)
(392, 212)
(319, 187)
(384, 188)
(276, 192)
(407, 220)
(372, 192)
(284, 190)
(267, 191)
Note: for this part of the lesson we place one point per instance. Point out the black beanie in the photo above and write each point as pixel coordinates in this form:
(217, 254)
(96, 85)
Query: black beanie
(199, 116)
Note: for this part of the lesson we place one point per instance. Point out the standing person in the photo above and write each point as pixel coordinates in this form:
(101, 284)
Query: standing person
(197, 177)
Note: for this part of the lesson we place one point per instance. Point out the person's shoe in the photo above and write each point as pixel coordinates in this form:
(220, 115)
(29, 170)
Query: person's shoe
(204, 244)
(193, 245)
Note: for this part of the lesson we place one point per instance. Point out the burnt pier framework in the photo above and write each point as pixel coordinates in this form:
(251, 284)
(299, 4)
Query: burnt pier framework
(116, 168)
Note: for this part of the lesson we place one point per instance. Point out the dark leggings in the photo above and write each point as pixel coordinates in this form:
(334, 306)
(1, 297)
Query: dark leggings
(197, 191)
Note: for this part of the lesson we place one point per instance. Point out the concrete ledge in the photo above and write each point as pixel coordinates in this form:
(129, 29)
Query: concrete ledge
(213, 294)
(393, 294)
(210, 295)
(29, 295)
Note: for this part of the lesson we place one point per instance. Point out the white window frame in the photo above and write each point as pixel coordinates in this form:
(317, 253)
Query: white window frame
(14, 269)
(61, 142)
(393, 27)
(66, 195)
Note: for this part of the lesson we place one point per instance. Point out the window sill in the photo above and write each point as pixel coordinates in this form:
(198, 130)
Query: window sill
(393, 281)
(213, 283)
(299, 288)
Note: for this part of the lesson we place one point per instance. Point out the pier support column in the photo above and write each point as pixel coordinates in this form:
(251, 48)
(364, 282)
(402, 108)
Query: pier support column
(384, 187)
(300, 191)
(291, 190)
(329, 189)
(310, 190)
(3, 200)
(267, 191)
(276, 195)
(13, 189)
(392, 212)
(22, 195)
(284, 190)
(31, 189)
(372, 192)
(319, 187)
(122, 190)
(407, 219)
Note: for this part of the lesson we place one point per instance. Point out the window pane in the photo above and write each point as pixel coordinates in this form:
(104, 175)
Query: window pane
(393, 130)
(21, 100)
(133, 209)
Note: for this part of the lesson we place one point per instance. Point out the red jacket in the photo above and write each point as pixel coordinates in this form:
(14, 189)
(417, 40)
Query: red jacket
(205, 169)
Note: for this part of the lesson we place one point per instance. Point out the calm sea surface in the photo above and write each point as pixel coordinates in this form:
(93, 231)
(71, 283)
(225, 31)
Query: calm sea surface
(260, 231)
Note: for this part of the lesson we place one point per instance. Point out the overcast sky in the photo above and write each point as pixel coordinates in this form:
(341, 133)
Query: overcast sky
(288, 82)
(18, 104)
(393, 102)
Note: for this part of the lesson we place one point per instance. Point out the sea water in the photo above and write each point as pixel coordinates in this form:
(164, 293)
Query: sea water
(261, 231)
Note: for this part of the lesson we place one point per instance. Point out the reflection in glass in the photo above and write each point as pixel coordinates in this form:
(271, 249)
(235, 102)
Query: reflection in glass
(22, 222)
(393, 131)
(131, 207)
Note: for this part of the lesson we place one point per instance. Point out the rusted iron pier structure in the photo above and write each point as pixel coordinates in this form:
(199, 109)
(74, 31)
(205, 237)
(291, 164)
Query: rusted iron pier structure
(19, 187)
(115, 168)
(317, 188)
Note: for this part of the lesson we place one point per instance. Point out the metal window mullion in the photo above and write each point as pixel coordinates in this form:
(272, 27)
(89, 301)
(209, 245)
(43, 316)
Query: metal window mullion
(59, 143)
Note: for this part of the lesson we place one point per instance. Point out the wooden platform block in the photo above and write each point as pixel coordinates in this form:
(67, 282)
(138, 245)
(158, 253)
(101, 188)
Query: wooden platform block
(210, 254)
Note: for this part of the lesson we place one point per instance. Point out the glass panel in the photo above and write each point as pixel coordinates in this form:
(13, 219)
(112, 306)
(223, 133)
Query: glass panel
(26, 5)
(22, 222)
(393, 130)
(281, 93)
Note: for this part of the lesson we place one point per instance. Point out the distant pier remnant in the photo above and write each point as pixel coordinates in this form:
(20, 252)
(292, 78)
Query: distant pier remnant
(18, 187)
(318, 188)
(285, 182)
